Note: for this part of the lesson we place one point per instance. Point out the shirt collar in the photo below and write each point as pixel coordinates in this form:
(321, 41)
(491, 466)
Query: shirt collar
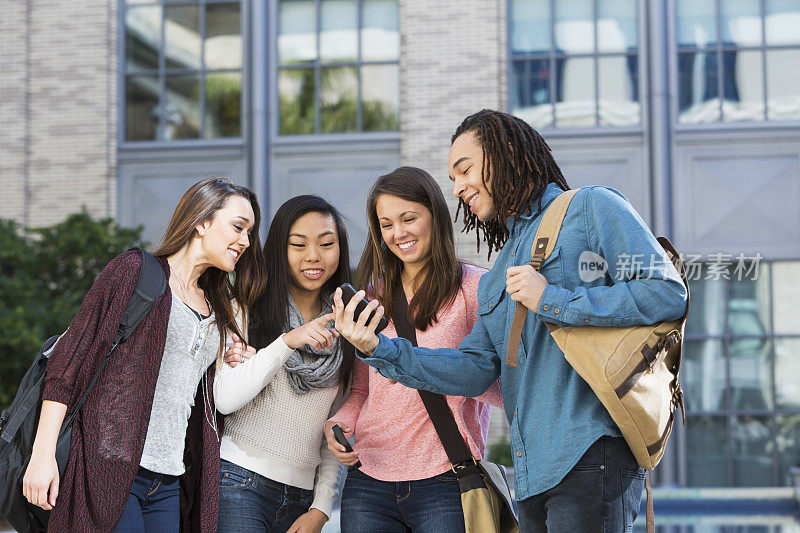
(550, 193)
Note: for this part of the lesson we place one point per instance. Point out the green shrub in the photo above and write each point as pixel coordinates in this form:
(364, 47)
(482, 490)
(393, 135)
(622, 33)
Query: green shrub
(500, 453)
(44, 275)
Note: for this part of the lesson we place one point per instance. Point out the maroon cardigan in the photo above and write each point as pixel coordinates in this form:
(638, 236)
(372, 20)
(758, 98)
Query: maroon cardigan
(108, 435)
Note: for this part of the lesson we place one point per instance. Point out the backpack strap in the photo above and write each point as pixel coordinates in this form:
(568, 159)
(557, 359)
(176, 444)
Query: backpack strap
(543, 245)
(439, 412)
(23, 406)
(150, 284)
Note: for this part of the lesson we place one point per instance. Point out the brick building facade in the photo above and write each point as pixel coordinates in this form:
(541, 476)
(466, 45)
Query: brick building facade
(691, 109)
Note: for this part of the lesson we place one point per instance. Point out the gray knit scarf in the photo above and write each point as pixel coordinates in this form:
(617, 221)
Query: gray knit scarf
(309, 368)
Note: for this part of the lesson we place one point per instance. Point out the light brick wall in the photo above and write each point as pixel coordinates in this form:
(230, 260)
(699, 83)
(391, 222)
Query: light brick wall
(452, 63)
(453, 57)
(13, 58)
(57, 108)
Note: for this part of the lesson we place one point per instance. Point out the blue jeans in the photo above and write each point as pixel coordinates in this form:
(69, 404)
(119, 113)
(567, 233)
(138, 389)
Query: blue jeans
(427, 505)
(153, 504)
(251, 502)
(602, 492)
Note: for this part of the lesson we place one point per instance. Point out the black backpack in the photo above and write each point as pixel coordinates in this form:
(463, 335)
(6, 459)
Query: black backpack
(18, 424)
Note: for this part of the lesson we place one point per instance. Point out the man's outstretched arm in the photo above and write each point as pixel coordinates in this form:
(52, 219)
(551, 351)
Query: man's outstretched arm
(467, 371)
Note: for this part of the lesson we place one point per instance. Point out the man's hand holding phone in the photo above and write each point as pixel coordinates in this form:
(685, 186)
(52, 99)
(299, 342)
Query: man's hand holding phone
(360, 331)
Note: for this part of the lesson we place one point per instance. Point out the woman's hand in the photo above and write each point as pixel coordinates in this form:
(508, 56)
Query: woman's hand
(310, 522)
(239, 352)
(345, 457)
(525, 285)
(313, 333)
(40, 484)
(360, 333)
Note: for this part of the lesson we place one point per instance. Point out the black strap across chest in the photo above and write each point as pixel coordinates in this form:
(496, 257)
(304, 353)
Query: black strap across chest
(436, 405)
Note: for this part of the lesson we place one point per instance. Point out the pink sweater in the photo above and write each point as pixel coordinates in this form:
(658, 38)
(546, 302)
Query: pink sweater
(394, 437)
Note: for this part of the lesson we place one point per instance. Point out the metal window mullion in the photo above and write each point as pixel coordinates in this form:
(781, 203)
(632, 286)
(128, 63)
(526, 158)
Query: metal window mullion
(244, 72)
(728, 407)
(763, 13)
(339, 64)
(720, 70)
(359, 103)
(770, 298)
(596, 60)
(718, 413)
(202, 78)
(640, 66)
(318, 70)
(223, 71)
(509, 29)
(122, 77)
(162, 78)
(553, 72)
(530, 56)
(180, 71)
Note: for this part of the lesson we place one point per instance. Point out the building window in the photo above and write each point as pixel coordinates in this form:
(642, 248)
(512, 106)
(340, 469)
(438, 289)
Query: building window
(575, 63)
(738, 61)
(338, 66)
(739, 372)
(182, 70)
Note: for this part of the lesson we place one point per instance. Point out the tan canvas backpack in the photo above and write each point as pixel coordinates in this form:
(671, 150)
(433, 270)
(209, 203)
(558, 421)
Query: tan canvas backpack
(632, 370)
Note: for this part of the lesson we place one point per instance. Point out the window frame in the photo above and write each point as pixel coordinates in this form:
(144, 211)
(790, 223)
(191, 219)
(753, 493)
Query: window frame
(729, 412)
(202, 73)
(718, 48)
(598, 129)
(317, 65)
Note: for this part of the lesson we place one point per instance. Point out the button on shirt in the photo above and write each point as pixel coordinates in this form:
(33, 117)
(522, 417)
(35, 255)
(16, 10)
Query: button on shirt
(554, 415)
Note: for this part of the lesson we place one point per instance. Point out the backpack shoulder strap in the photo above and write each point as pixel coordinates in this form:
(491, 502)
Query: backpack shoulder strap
(543, 245)
(149, 285)
(547, 234)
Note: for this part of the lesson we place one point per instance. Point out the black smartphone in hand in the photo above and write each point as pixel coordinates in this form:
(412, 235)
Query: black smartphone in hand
(340, 438)
(347, 293)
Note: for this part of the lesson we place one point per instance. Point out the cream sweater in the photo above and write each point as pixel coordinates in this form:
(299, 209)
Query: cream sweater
(273, 431)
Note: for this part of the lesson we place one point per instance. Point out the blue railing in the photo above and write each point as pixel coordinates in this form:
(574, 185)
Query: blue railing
(717, 510)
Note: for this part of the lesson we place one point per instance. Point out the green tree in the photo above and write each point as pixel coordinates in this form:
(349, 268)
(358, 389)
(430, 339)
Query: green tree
(500, 452)
(223, 109)
(44, 275)
(297, 112)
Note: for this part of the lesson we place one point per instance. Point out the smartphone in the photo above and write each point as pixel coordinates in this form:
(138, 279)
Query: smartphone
(347, 293)
(340, 438)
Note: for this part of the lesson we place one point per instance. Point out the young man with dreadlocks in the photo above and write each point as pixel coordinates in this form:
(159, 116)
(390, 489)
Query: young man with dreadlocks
(572, 469)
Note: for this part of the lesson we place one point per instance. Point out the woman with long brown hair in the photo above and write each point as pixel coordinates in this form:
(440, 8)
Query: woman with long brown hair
(144, 454)
(406, 482)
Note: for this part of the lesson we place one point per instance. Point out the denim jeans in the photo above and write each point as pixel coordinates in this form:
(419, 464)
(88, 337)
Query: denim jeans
(426, 505)
(251, 502)
(153, 504)
(602, 492)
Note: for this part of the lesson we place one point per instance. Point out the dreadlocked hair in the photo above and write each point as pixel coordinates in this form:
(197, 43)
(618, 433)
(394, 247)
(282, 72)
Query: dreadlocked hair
(517, 167)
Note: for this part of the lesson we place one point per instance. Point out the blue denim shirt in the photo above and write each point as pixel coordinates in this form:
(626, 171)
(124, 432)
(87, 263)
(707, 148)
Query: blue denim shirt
(554, 415)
